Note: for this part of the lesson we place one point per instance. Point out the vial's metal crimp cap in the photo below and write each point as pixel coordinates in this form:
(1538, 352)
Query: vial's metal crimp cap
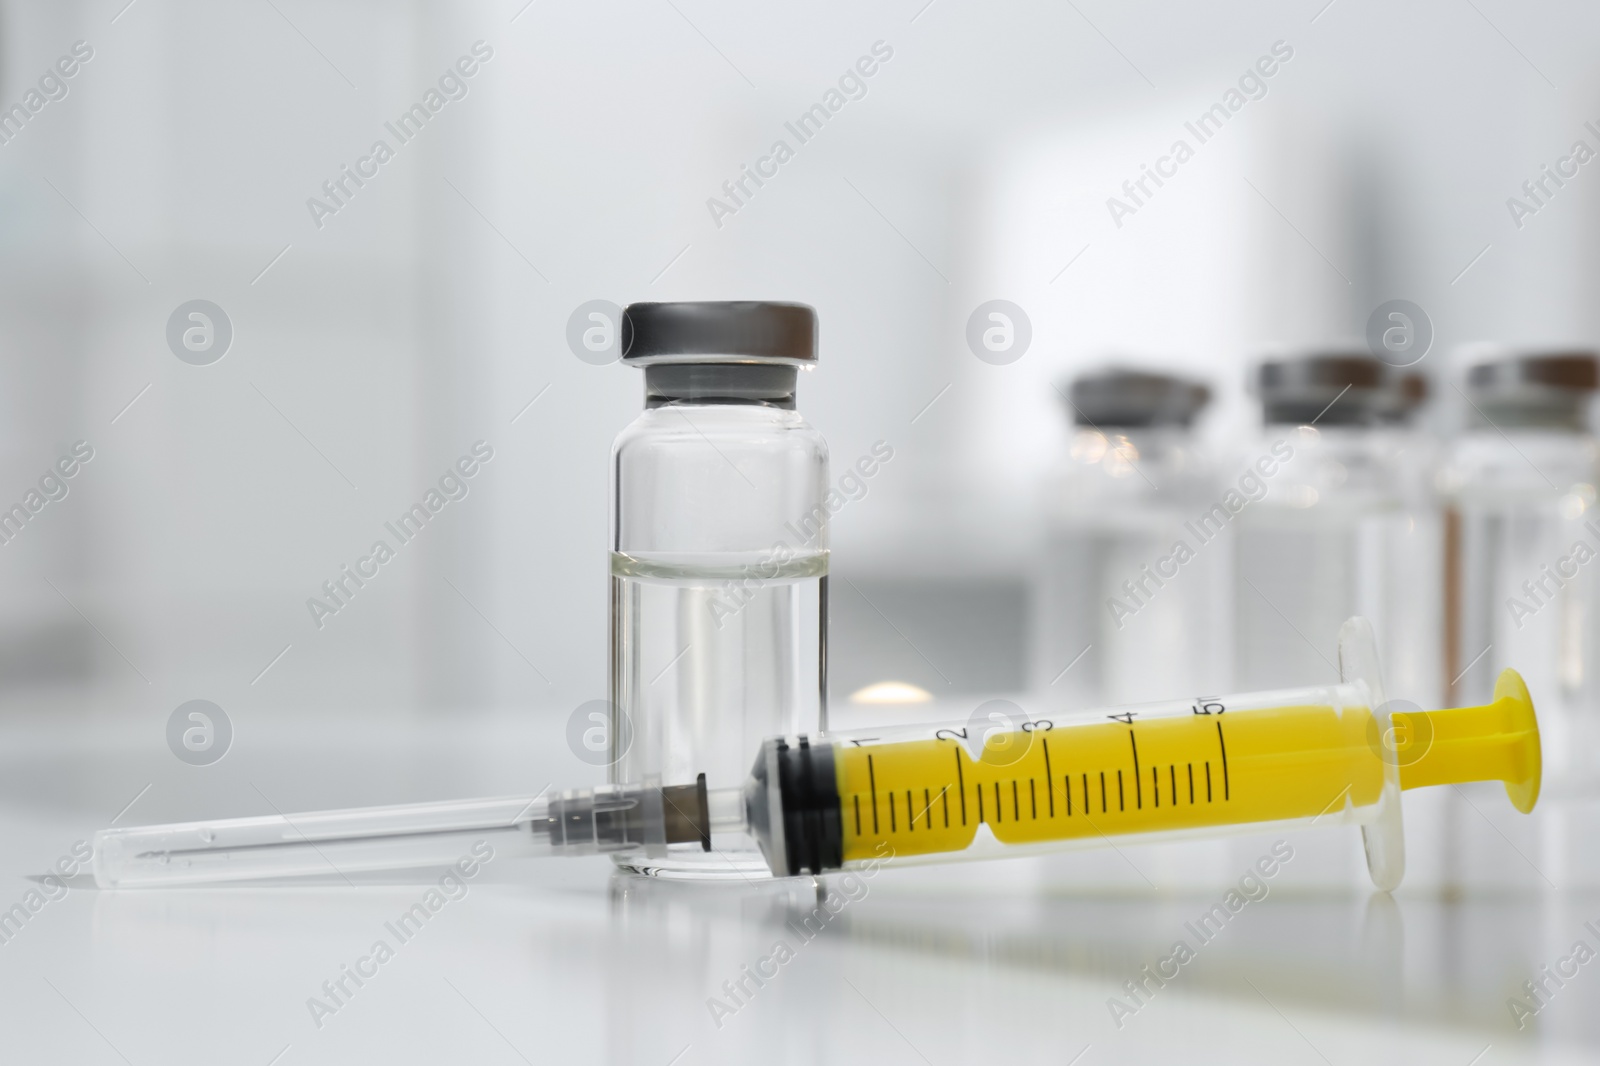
(1129, 399)
(1337, 388)
(1532, 390)
(725, 331)
(733, 352)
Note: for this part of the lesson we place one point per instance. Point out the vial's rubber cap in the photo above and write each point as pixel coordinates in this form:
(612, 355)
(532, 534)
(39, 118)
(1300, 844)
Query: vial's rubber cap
(1337, 388)
(1498, 741)
(1549, 390)
(1576, 371)
(1119, 398)
(728, 331)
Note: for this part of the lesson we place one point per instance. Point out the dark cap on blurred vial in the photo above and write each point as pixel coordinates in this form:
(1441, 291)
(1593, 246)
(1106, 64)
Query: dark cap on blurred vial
(1534, 389)
(1133, 399)
(720, 352)
(1337, 388)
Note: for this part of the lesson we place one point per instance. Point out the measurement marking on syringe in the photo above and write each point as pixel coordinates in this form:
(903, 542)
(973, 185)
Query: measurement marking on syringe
(1016, 808)
(872, 781)
(927, 806)
(1191, 783)
(1172, 779)
(999, 814)
(1221, 744)
(892, 827)
(857, 798)
(1208, 780)
(979, 791)
(1120, 805)
(1138, 788)
(911, 819)
(1155, 784)
(1050, 788)
(961, 784)
(1102, 793)
(1033, 798)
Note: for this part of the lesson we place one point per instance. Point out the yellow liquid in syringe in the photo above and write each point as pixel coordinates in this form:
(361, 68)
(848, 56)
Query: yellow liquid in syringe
(1125, 775)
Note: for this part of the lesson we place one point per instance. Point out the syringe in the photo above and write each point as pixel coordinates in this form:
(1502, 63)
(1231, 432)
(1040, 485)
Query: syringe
(1327, 754)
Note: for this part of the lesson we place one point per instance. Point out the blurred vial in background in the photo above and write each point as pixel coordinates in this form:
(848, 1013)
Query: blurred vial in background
(1346, 523)
(1414, 658)
(1522, 545)
(1130, 605)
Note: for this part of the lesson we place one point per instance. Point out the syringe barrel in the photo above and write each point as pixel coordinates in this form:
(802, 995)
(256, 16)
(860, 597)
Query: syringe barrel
(966, 790)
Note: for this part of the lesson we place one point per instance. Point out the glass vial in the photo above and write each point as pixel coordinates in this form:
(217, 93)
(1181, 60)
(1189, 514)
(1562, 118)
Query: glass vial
(719, 556)
(1129, 604)
(1343, 524)
(1523, 538)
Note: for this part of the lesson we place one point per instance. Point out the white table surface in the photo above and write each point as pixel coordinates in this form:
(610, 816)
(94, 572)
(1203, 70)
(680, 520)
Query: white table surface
(571, 962)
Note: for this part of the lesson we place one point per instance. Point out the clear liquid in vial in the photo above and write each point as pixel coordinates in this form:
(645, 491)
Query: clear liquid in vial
(711, 654)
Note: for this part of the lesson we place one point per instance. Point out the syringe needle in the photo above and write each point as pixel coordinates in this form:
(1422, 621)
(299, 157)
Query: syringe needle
(610, 818)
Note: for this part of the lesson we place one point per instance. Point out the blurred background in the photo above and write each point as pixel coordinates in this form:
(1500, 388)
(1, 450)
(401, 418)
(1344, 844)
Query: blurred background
(373, 346)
